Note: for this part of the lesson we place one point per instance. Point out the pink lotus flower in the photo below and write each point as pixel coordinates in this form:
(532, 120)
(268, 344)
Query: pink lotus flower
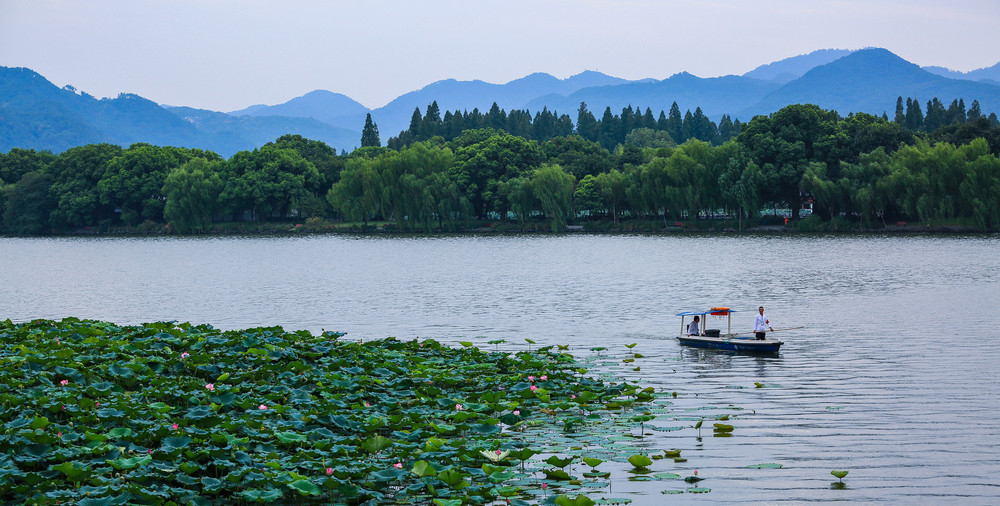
(59, 434)
(210, 387)
(398, 465)
(499, 452)
(544, 377)
(149, 451)
(98, 404)
(173, 427)
(517, 412)
(545, 486)
(64, 382)
(367, 405)
(533, 388)
(696, 472)
(531, 378)
(329, 471)
(262, 407)
(572, 396)
(185, 355)
(458, 407)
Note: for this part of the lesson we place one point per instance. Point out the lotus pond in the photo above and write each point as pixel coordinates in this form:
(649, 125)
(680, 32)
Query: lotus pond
(99, 414)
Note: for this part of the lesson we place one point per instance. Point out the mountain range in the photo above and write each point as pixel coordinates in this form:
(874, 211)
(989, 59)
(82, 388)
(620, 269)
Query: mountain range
(34, 113)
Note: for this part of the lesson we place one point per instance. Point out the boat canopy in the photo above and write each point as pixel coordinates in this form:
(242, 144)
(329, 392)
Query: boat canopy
(718, 311)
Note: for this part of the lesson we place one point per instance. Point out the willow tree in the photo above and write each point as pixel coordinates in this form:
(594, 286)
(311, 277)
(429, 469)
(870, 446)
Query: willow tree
(192, 192)
(554, 190)
(357, 195)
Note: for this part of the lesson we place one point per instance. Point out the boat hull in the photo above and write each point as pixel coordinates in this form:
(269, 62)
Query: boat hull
(749, 345)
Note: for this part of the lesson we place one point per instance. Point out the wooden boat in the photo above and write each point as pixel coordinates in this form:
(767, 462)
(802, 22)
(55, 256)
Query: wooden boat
(743, 342)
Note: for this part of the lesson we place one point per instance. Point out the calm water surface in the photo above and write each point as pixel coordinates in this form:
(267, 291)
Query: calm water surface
(894, 377)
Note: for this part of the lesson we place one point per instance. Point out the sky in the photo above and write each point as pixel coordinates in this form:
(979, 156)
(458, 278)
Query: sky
(226, 55)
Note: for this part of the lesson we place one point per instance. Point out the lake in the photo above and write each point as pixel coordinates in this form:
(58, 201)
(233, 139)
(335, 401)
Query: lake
(893, 377)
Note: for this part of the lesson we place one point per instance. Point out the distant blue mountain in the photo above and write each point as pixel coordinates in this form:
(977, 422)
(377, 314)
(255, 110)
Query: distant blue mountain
(452, 95)
(989, 75)
(236, 133)
(36, 114)
(331, 108)
(716, 96)
(870, 80)
(790, 69)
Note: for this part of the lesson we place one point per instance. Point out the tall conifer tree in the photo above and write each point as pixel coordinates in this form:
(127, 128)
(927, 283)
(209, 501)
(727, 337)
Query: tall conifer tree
(369, 135)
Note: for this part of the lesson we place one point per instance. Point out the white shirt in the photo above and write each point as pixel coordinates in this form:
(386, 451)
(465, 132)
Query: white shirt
(693, 329)
(761, 323)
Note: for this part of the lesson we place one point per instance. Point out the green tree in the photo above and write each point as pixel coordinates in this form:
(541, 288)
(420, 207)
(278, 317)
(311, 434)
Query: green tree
(608, 130)
(74, 192)
(783, 145)
(18, 162)
(587, 196)
(554, 190)
(266, 181)
(612, 188)
(369, 134)
(578, 156)
(133, 181)
(192, 192)
(492, 157)
(675, 124)
(318, 153)
(649, 138)
(358, 194)
(914, 117)
(867, 189)
(980, 190)
(831, 196)
(900, 117)
(520, 196)
(27, 204)
(586, 124)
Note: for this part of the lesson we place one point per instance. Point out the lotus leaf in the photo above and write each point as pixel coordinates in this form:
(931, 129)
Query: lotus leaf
(640, 461)
(130, 463)
(423, 468)
(391, 474)
(579, 500)
(119, 432)
(453, 477)
(559, 462)
(305, 487)
(342, 407)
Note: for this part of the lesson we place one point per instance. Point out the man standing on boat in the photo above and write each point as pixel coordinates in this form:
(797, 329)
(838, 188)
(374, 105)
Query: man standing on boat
(761, 323)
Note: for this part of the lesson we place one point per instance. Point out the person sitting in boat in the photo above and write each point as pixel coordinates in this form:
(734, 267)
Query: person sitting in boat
(761, 323)
(693, 328)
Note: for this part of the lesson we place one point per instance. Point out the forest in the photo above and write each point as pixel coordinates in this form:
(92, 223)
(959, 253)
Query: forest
(511, 169)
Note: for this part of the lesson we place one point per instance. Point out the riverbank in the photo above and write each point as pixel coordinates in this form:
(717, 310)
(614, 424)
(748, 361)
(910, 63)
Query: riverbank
(764, 225)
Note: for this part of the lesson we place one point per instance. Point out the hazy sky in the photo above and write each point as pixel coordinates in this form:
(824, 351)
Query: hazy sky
(227, 54)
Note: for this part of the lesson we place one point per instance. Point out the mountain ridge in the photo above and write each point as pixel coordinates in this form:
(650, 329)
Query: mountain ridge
(36, 114)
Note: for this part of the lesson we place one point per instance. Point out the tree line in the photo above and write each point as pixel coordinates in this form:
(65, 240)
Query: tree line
(632, 126)
(860, 167)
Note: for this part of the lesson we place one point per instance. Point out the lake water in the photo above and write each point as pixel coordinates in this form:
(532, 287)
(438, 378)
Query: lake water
(894, 376)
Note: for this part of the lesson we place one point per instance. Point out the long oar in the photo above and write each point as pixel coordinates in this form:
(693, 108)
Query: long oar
(775, 330)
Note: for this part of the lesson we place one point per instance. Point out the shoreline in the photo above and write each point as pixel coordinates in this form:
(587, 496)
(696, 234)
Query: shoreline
(280, 229)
